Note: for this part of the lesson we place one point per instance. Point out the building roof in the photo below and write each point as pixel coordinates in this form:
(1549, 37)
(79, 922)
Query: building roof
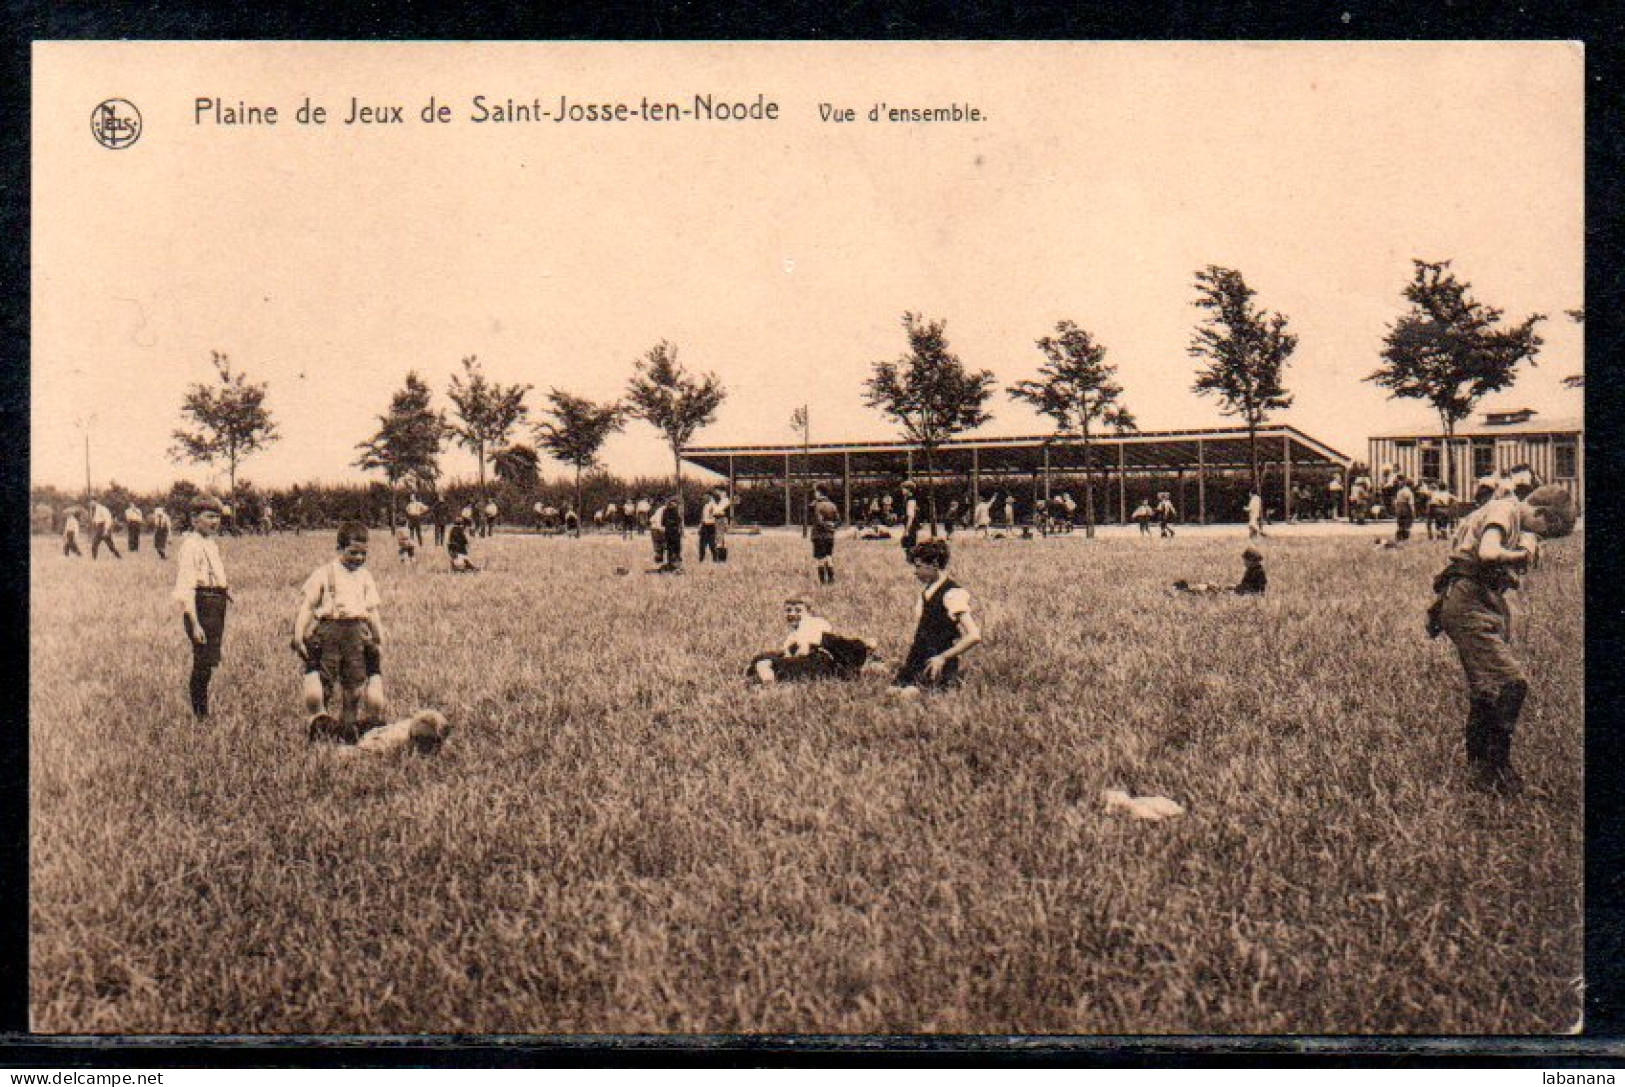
(1479, 428)
(1224, 447)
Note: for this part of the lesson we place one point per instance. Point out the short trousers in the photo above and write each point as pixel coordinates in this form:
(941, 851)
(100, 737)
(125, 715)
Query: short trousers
(211, 614)
(1478, 622)
(823, 547)
(343, 653)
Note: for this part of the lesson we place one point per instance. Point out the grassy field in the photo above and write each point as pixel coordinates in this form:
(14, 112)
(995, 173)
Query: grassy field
(622, 838)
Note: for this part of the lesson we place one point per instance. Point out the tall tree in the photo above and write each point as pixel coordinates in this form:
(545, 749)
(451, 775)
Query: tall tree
(487, 412)
(1246, 351)
(1451, 350)
(673, 401)
(575, 430)
(407, 442)
(929, 394)
(1077, 389)
(229, 420)
(518, 466)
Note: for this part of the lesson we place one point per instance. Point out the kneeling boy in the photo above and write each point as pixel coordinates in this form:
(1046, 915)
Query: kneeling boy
(945, 629)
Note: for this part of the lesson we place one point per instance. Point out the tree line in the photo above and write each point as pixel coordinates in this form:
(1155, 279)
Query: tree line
(1447, 349)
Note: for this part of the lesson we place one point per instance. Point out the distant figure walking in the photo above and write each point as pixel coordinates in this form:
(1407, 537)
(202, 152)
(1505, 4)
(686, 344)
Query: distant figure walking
(1142, 516)
(70, 535)
(160, 531)
(101, 531)
(133, 522)
(415, 510)
(1255, 514)
(1166, 515)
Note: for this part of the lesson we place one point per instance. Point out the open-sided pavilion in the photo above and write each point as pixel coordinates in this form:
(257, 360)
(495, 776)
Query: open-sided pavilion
(1118, 460)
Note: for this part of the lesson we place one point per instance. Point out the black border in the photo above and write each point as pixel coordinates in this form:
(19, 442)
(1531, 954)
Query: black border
(1599, 26)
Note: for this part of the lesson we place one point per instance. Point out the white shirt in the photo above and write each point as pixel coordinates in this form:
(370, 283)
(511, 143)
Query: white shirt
(643, 505)
(490, 509)
(956, 601)
(101, 516)
(353, 593)
(160, 519)
(806, 635)
(416, 509)
(708, 512)
(1255, 507)
(70, 527)
(133, 515)
(198, 566)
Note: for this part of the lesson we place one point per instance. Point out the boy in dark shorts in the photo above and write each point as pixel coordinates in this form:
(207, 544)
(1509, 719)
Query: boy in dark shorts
(337, 633)
(825, 518)
(944, 629)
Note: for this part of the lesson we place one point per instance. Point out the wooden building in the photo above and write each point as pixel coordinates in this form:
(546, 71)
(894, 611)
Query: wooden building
(1553, 448)
(1124, 465)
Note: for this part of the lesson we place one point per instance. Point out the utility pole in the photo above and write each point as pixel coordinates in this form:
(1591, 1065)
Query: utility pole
(801, 419)
(85, 423)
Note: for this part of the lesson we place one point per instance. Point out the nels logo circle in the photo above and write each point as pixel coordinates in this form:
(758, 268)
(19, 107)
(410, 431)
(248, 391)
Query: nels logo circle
(115, 123)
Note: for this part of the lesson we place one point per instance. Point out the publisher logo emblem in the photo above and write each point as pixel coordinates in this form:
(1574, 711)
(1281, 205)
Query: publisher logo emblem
(116, 123)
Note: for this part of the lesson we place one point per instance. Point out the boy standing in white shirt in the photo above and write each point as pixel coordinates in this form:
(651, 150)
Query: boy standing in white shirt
(342, 652)
(202, 592)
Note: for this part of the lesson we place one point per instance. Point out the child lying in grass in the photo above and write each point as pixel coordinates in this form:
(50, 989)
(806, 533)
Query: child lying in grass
(811, 650)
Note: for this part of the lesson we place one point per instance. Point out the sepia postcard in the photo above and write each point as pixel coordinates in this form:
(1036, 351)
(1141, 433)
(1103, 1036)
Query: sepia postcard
(1000, 539)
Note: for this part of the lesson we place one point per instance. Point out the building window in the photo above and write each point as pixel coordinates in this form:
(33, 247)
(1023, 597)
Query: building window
(1431, 466)
(1483, 459)
(1566, 459)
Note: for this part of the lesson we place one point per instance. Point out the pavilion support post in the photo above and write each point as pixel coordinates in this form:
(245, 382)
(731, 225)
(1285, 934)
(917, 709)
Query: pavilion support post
(787, 521)
(730, 478)
(846, 487)
(975, 481)
(1046, 474)
(909, 453)
(1122, 483)
(1201, 483)
(1286, 476)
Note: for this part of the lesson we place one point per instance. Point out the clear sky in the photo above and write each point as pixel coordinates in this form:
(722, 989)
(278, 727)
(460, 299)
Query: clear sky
(329, 261)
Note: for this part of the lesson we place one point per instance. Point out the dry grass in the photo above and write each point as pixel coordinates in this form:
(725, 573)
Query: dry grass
(622, 838)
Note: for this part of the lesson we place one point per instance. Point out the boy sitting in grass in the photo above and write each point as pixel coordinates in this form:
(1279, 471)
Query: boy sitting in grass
(337, 633)
(945, 629)
(1252, 583)
(811, 650)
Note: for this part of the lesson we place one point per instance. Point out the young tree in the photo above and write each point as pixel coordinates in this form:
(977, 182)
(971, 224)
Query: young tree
(1078, 389)
(1247, 349)
(229, 420)
(407, 444)
(671, 400)
(1451, 349)
(575, 430)
(518, 466)
(929, 394)
(487, 412)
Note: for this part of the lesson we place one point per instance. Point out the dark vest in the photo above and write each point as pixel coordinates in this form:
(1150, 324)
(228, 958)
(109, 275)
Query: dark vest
(936, 633)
